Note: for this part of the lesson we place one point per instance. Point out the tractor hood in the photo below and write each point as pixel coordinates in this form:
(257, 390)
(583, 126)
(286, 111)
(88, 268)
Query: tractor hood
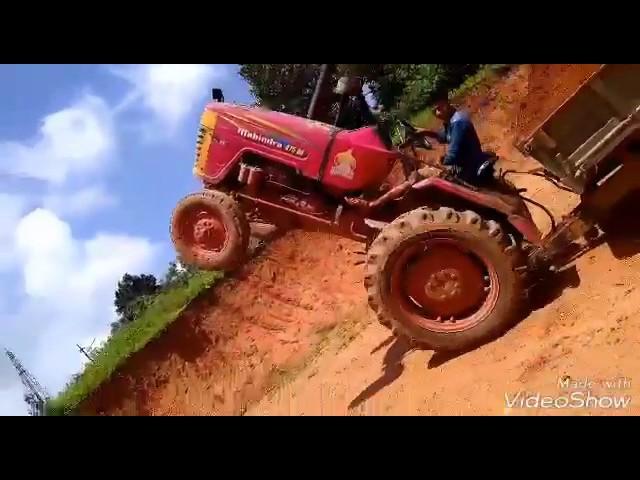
(290, 126)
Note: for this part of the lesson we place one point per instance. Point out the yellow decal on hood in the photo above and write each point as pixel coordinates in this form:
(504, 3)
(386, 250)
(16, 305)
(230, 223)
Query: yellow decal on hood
(205, 135)
(344, 165)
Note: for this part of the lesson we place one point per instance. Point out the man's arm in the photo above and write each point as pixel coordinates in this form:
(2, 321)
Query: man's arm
(440, 136)
(452, 158)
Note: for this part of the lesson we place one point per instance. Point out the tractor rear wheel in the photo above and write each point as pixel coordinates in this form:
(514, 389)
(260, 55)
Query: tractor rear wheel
(445, 279)
(210, 231)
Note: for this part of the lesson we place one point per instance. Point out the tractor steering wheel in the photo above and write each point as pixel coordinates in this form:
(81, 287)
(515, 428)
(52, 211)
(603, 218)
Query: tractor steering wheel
(410, 128)
(415, 137)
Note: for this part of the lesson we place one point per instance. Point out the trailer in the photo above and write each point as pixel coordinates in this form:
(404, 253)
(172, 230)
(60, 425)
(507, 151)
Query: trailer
(590, 145)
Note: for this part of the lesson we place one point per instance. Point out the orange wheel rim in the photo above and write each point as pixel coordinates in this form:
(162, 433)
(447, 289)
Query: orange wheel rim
(441, 285)
(202, 229)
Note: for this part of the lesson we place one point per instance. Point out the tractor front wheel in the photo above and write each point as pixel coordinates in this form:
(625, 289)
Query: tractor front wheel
(210, 231)
(449, 280)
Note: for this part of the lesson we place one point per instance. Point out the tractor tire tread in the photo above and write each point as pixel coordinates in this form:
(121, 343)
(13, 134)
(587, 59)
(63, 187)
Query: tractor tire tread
(422, 220)
(235, 221)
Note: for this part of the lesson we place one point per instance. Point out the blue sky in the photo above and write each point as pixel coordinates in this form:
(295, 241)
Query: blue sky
(93, 158)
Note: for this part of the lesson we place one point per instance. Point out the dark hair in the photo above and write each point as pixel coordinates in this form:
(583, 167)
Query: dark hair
(440, 96)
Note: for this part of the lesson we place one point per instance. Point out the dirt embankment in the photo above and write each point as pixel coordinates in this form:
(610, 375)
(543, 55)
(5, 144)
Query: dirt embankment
(231, 344)
(221, 356)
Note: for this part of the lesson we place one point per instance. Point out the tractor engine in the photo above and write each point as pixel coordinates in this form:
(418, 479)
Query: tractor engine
(269, 184)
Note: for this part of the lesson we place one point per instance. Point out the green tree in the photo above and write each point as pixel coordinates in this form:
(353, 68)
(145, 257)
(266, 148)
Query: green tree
(400, 88)
(178, 274)
(133, 294)
(408, 88)
(283, 87)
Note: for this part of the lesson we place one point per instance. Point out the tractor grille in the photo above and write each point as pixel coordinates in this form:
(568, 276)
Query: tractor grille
(202, 131)
(203, 141)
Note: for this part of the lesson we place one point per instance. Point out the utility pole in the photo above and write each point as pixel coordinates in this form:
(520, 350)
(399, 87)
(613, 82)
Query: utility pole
(35, 395)
(84, 352)
(321, 88)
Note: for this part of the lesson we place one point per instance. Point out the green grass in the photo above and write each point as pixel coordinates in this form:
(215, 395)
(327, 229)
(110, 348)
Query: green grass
(165, 308)
(425, 117)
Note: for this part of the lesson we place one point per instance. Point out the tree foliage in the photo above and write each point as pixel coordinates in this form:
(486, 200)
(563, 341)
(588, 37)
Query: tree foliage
(400, 88)
(178, 274)
(408, 88)
(283, 87)
(131, 287)
(133, 294)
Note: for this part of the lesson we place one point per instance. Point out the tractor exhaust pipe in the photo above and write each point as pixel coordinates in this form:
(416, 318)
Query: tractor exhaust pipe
(320, 87)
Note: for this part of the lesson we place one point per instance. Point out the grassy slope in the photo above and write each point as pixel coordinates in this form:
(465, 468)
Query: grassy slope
(163, 311)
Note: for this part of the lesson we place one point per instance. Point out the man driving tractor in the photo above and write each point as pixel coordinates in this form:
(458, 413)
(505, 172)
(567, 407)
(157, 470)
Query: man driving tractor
(464, 158)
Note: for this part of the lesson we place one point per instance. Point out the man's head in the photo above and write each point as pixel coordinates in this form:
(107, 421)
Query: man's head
(350, 86)
(442, 108)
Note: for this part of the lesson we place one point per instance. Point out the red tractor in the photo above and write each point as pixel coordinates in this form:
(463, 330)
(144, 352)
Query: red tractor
(446, 261)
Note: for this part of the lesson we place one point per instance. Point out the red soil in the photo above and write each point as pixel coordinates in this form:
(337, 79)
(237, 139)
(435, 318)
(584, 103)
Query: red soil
(222, 352)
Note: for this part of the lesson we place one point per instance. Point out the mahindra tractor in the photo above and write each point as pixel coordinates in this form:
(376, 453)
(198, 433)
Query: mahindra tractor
(448, 263)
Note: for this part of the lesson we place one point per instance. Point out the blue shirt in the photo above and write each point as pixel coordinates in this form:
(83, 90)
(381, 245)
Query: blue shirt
(465, 150)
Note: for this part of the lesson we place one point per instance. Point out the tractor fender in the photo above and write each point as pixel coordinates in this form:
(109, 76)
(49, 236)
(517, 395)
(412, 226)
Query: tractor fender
(513, 209)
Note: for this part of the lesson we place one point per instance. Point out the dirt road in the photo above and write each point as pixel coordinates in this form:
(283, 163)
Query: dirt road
(297, 318)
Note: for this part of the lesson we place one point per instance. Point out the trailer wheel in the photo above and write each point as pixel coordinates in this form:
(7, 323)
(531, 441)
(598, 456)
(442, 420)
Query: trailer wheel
(445, 279)
(210, 231)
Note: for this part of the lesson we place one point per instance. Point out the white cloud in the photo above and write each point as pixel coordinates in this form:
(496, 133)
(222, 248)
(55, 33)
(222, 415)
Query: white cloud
(8, 375)
(69, 285)
(11, 207)
(57, 288)
(81, 202)
(56, 265)
(169, 92)
(44, 244)
(12, 400)
(76, 140)
(11, 390)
